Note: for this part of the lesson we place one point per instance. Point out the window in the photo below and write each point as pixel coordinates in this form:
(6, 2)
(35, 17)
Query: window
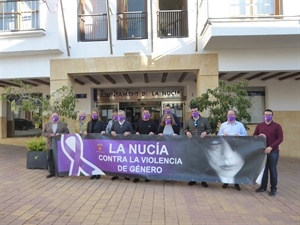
(93, 24)
(172, 19)
(132, 19)
(256, 96)
(254, 7)
(19, 15)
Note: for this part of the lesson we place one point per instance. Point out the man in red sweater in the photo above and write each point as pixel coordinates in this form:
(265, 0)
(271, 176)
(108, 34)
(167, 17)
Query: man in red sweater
(274, 136)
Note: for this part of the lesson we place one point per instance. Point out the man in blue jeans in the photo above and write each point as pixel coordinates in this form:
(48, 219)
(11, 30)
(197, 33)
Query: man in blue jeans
(274, 136)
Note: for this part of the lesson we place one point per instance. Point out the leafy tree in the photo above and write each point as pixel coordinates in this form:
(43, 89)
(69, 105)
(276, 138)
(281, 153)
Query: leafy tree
(224, 97)
(62, 101)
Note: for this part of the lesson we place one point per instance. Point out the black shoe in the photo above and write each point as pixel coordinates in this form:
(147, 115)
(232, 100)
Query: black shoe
(237, 187)
(272, 193)
(98, 177)
(50, 175)
(259, 190)
(126, 178)
(135, 180)
(204, 184)
(224, 186)
(147, 180)
(114, 178)
(191, 183)
(93, 177)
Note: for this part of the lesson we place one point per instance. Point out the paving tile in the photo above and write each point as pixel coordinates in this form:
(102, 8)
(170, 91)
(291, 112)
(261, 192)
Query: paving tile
(27, 197)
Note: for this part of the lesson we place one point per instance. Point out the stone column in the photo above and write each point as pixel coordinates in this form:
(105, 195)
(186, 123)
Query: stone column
(208, 74)
(59, 78)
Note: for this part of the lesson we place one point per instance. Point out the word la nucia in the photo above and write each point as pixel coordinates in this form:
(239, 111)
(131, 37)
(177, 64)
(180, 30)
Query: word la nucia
(139, 149)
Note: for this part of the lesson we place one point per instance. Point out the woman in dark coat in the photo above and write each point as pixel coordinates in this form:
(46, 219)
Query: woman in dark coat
(95, 125)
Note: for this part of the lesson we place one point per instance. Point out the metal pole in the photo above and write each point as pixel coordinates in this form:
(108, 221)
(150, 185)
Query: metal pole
(197, 15)
(65, 28)
(109, 26)
(151, 25)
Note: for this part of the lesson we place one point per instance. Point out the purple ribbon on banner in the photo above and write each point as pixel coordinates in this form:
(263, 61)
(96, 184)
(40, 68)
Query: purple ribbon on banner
(72, 146)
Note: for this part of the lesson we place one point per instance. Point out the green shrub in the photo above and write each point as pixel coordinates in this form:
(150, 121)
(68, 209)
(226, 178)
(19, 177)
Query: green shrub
(36, 144)
(224, 97)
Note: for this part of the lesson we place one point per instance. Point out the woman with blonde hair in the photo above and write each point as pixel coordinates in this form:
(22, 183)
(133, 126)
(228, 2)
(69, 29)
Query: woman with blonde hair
(81, 123)
(168, 126)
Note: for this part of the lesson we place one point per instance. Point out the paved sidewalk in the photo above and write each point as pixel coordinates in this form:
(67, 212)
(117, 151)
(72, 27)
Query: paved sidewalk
(27, 197)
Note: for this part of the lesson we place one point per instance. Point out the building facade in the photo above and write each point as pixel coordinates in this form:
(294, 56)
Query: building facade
(148, 53)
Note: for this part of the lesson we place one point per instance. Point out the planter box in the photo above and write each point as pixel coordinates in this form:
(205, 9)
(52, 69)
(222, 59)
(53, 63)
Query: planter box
(37, 160)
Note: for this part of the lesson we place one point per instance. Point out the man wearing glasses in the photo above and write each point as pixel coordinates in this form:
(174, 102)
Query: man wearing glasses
(199, 126)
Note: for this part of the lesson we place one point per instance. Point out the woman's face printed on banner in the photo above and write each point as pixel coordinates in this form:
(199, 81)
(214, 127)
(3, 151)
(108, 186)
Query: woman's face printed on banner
(221, 157)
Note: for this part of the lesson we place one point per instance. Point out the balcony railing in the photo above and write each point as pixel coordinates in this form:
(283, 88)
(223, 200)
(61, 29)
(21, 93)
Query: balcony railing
(132, 25)
(19, 15)
(218, 11)
(172, 23)
(93, 27)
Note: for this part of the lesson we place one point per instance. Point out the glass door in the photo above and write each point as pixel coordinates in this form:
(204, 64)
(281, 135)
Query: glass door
(106, 110)
(134, 110)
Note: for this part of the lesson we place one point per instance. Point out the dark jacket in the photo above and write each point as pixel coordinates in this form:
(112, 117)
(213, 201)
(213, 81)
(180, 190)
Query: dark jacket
(201, 125)
(99, 127)
(121, 129)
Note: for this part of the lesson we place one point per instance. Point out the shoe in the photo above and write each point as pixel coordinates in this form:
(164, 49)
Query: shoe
(147, 180)
(50, 175)
(191, 183)
(272, 193)
(224, 186)
(204, 184)
(135, 180)
(93, 177)
(259, 190)
(114, 178)
(126, 178)
(98, 177)
(237, 187)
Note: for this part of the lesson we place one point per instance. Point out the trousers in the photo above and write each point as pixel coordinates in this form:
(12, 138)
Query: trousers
(271, 166)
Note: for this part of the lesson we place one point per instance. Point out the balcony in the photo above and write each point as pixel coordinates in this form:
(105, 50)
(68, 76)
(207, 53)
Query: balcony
(93, 27)
(132, 25)
(261, 24)
(172, 24)
(23, 30)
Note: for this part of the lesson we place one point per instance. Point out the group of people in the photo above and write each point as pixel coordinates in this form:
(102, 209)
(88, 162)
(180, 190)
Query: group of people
(220, 158)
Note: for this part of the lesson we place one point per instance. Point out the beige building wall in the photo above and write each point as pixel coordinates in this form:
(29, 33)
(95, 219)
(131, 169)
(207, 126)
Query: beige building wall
(207, 77)
(290, 122)
(206, 65)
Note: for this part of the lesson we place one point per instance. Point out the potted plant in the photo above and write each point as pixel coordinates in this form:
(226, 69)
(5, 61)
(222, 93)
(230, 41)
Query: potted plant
(36, 154)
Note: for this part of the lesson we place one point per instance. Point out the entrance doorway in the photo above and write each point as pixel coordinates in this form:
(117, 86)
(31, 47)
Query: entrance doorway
(134, 110)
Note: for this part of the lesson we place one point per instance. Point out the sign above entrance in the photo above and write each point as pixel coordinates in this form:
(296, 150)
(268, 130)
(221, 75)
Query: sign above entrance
(105, 95)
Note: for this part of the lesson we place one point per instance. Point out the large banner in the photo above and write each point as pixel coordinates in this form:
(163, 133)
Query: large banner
(211, 159)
